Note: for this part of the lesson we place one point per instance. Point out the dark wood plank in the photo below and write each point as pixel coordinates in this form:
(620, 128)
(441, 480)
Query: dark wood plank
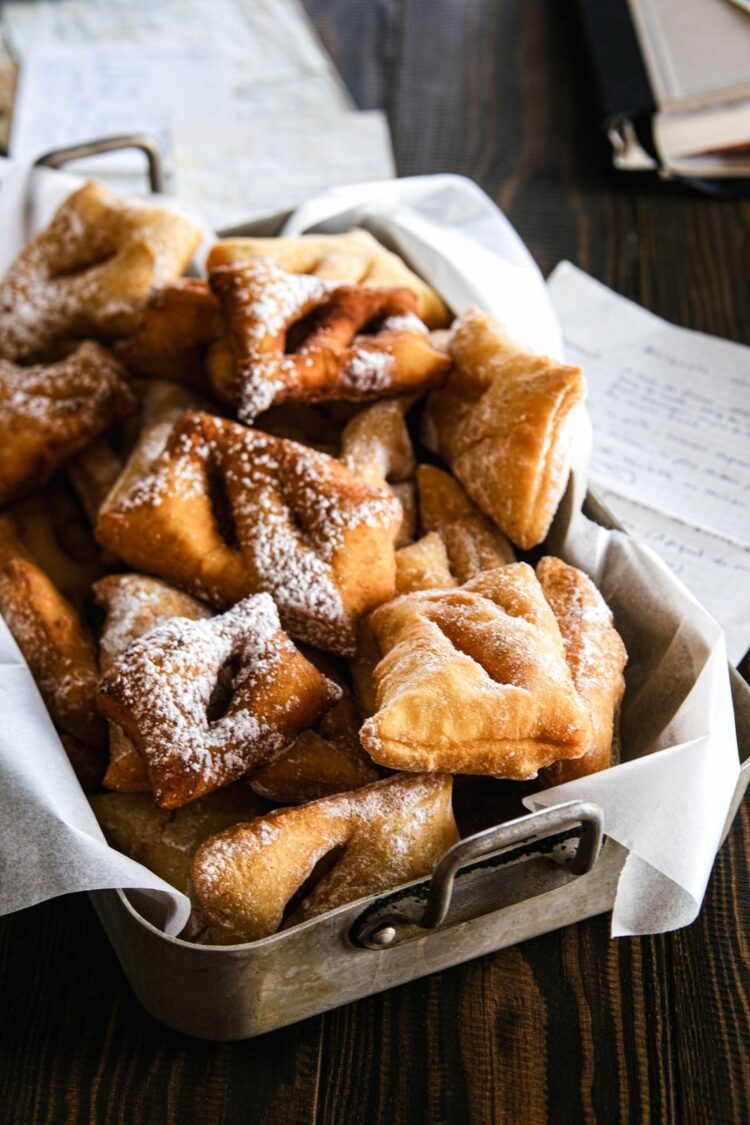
(571, 1026)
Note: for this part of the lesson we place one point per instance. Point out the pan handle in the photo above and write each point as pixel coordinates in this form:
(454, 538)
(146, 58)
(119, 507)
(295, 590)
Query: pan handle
(57, 157)
(545, 832)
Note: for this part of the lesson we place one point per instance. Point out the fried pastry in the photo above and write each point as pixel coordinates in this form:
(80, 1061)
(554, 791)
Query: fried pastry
(474, 680)
(294, 337)
(354, 258)
(180, 322)
(90, 272)
(596, 657)
(472, 541)
(54, 644)
(307, 425)
(502, 422)
(326, 760)
(423, 566)
(48, 414)
(226, 511)
(165, 840)
(162, 691)
(133, 604)
(391, 832)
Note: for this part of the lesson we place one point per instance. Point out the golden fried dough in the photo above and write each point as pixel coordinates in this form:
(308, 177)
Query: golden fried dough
(162, 691)
(502, 424)
(90, 272)
(474, 680)
(48, 414)
(294, 337)
(596, 657)
(354, 258)
(391, 833)
(226, 511)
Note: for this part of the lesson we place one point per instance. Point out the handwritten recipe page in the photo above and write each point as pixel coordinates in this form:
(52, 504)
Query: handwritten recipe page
(671, 458)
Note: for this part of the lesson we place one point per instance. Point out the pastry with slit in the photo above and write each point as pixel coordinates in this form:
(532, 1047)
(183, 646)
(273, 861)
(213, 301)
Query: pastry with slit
(50, 413)
(471, 539)
(376, 838)
(596, 657)
(295, 337)
(352, 258)
(133, 604)
(503, 423)
(226, 511)
(474, 680)
(56, 646)
(90, 271)
(182, 319)
(163, 693)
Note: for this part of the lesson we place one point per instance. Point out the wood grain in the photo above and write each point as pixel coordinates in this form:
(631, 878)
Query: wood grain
(571, 1026)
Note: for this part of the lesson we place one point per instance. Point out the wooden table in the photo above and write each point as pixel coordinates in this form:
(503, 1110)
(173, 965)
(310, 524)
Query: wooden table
(571, 1026)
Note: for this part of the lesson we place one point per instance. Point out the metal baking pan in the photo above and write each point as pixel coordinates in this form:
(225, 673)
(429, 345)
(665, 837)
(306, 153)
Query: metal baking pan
(491, 890)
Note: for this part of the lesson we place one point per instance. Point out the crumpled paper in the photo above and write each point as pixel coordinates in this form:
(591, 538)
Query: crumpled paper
(668, 800)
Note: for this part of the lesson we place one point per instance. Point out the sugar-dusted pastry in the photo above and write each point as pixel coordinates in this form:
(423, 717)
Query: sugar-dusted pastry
(596, 657)
(295, 337)
(90, 272)
(472, 541)
(193, 738)
(423, 565)
(354, 258)
(181, 320)
(48, 414)
(378, 837)
(474, 680)
(165, 840)
(56, 534)
(328, 759)
(54, 644)
(133, 604)
(502, 422)
(226, 511)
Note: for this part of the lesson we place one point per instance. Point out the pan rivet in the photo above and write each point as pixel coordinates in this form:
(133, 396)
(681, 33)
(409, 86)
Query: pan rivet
(384, 936)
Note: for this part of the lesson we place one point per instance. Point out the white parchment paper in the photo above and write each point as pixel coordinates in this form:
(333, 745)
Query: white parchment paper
(667, 802)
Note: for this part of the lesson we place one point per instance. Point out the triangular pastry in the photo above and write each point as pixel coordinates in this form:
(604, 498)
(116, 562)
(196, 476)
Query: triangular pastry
(162, 691)
(354, 258)
(381, 836)
(596, 657)
(502, 424)
(48, 414)
(90, 271)
(226, 511)
(474, 680)
(295, 337)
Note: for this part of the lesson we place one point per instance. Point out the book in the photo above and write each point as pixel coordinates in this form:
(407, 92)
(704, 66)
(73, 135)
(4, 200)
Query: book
(673, 83)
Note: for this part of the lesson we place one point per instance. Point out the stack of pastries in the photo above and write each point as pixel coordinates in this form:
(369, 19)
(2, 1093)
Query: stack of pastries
(269, 545)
